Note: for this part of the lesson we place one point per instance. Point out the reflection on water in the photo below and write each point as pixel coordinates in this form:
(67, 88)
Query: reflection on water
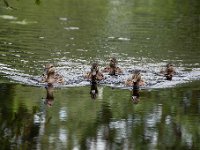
(49, 97)
(93, 90)
(168, 116)
(135, 96)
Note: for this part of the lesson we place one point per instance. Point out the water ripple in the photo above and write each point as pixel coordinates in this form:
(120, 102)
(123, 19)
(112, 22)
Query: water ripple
(73, 73)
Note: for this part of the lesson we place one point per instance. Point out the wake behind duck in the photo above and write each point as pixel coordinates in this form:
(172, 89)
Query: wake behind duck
(74, 76)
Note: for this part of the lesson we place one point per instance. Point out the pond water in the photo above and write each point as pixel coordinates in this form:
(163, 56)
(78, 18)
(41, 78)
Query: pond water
(141, 34)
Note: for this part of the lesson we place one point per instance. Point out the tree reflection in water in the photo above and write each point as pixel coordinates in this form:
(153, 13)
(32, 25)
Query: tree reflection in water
(168, 116)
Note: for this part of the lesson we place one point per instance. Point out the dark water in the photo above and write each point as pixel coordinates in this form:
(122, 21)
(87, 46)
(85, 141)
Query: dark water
(163, 119)
(141, 34)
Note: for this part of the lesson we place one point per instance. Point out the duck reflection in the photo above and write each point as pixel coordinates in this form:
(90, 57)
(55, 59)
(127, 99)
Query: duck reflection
(49, 95)
(135, 97)
(93, 89)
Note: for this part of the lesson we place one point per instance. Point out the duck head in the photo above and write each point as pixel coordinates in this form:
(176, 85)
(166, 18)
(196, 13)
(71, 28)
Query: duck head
(113, 62)
(49, 69)
(136, 76)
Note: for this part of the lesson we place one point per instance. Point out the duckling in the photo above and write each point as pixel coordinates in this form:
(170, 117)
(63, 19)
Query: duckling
(136, 80)
(51, 76)
(112, 68)
(94, 73)
(169, 71)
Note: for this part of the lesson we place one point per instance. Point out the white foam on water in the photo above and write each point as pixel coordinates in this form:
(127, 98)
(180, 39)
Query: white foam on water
(8, 17)
(73, 74)
(63, 18)
(71, 28)
(24, 22)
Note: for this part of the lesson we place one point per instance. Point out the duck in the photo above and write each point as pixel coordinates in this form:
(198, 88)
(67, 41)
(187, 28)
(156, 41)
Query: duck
(136, 80)
(50, 75)
(94, 74)
(112, 68)
(169, 71)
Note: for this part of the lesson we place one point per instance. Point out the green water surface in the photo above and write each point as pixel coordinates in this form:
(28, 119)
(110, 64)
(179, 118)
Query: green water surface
(57, 31)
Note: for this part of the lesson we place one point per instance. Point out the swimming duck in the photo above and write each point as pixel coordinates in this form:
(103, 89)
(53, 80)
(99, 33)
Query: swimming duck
(169, 71)
(112, 68)
(94, 74)
(136, 80)
(51, 76)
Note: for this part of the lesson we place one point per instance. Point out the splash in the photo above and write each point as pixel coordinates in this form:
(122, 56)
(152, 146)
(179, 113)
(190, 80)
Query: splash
(73, 73)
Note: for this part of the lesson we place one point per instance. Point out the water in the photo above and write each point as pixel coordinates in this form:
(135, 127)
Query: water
(164, 118)
(143, 35)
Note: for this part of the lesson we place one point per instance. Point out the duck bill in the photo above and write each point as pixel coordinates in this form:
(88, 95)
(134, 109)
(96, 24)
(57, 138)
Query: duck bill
(134, 80)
